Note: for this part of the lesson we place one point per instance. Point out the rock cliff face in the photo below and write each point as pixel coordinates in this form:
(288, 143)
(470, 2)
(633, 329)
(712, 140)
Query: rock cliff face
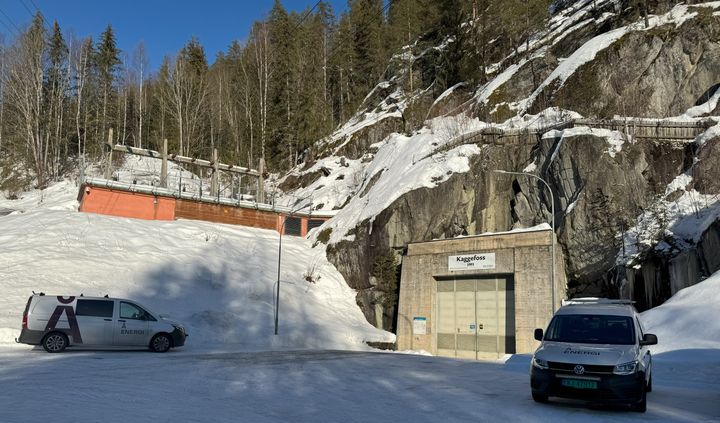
(605, 184)
(655, 73)
(706, 169)
(661, 273)
(467, 203)
(598, 194)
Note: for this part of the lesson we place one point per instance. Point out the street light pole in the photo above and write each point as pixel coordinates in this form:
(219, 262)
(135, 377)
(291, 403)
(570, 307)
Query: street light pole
(277, 287)
(552, 212)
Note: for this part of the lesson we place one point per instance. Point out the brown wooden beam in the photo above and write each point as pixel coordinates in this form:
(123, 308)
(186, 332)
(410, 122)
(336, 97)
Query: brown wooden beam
(186, 160)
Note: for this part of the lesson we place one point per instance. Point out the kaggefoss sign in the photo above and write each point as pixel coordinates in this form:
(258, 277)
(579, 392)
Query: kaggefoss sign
(477, 261)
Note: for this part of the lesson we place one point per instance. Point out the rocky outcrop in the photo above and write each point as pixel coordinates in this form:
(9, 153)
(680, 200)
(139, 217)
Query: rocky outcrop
(660, 276)
(659, 72)
(599, 191)
(599, 194)
(468, 203)
(705, 171)
(655, 73)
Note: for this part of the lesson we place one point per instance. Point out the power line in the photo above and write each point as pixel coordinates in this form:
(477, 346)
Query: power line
(305, 16)
(37, 10)
(34, 5)
(27, 8)
(9, 19)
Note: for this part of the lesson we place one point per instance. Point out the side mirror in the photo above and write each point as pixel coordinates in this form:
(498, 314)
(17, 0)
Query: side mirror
(649, 339)
(538, 334)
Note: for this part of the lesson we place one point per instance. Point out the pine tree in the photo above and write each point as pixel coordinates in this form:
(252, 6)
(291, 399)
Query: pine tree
(340, 62)
(280, 107)
(408, 19)
(325, 20)
(56, 86)
(520, 18)
(367, 24)
(25, 99)
(450, 26)
(107, 62)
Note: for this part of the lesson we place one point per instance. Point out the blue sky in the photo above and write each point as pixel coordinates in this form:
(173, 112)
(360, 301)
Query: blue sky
(163, 25)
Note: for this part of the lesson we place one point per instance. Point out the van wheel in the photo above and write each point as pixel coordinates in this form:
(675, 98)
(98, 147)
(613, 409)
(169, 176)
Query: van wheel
(539, 397)
(55, 342)
(160, 343)
(641, 406)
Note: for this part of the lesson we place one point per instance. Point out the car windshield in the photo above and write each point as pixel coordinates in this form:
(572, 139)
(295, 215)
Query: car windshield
(591, 329)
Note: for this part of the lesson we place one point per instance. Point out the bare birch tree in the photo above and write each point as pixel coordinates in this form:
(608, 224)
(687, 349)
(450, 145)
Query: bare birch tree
(140, 63)
(24, 86)
(185, 95)
(79, 57)
(261, 44)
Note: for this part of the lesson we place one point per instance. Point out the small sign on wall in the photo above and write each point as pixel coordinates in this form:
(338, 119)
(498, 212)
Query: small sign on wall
(419, 326)
(477, 261)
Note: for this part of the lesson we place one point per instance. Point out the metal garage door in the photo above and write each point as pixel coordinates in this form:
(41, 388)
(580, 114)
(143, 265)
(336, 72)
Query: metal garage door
(476, 317)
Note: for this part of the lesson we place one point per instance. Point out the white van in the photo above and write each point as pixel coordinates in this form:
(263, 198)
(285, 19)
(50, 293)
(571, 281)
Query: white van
(57, 322)
(595, 350)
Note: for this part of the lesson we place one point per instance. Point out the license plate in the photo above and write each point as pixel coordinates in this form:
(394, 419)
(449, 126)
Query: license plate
(579, 384)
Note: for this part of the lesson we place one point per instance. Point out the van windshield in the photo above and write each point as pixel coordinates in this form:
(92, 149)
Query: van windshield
(591, 329)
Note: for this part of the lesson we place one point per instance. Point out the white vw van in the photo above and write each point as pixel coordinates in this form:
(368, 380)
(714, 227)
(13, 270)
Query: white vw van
(57, 322)
(595, 350)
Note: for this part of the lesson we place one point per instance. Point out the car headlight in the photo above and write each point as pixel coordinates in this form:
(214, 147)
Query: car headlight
(626, 368)
(540, 364)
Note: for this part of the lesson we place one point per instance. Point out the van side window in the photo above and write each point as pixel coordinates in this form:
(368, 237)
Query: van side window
(131, 311)
(95, 308)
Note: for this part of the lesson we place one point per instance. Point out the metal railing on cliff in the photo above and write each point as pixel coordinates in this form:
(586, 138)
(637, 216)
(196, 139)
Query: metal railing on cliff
(638, 128)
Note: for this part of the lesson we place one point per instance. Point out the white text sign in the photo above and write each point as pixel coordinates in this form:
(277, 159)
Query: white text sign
(472, 261)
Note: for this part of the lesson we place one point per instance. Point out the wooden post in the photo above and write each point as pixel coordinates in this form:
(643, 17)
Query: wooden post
(214, 186)
(108, 168)
(261, 182)
(163, 168)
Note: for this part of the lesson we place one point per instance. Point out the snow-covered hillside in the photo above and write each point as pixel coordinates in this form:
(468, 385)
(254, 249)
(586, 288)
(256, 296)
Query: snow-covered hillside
(401, 163)
(688, 320)
(217, 279)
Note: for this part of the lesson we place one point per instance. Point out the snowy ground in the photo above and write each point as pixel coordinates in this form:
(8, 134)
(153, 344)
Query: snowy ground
(218, 279)
(319, 386)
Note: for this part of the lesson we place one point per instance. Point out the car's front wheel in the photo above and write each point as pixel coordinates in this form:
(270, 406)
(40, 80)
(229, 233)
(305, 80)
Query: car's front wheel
(537, 397)
(55, 342)
(641, 406)
(160, 343)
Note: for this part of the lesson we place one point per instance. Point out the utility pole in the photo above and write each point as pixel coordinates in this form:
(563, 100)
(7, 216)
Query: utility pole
(163, 168)
(109, 146)
(277, 287)
(261, 182)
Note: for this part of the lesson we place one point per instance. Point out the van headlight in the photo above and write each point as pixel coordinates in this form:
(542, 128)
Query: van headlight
(626, 368)
(540, 364)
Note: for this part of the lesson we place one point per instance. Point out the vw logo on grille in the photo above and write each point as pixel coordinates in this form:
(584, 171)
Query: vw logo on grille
(579, 370)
